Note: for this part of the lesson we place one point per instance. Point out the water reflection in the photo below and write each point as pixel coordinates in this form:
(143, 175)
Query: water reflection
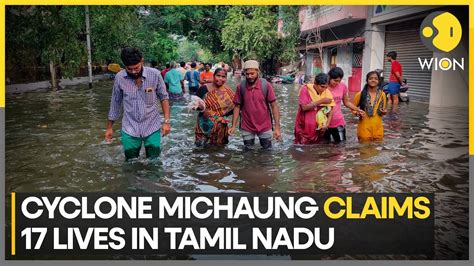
(54, 142)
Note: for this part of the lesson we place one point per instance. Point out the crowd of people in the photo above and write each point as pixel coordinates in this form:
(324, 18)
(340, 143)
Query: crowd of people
(319, 117)
(195, 75)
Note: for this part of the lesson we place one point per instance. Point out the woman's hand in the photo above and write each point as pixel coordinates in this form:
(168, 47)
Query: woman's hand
(222, 120)
(323, 129)
(359, 112)
(201, 105)
(324, 100)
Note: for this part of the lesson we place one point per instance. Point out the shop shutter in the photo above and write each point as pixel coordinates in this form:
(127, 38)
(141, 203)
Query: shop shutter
(405, 40)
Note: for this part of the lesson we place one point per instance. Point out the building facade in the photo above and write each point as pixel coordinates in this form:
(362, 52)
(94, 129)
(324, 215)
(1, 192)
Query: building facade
(334, 36)
(357, 39)
(397, 28)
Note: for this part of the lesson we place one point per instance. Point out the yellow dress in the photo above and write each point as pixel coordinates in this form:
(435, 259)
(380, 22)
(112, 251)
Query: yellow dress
(371, 127)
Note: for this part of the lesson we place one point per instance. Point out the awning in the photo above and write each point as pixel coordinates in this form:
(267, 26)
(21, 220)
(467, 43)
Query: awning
(333, 43)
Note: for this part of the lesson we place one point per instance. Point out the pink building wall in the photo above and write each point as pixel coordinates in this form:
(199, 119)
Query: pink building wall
(330, 15)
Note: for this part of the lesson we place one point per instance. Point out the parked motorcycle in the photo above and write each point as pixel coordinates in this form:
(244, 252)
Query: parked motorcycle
(285, 79)
(403, 96)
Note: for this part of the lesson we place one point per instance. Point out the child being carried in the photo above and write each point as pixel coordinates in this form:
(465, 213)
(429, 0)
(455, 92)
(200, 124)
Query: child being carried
(322, 115)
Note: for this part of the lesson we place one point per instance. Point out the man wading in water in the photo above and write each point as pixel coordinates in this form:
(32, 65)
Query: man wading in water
(254, 98)
(138, 89)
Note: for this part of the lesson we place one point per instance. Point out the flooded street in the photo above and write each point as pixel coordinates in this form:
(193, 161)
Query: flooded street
(54, 142)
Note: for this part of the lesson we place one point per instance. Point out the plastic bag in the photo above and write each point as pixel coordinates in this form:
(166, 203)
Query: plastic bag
(196, 104)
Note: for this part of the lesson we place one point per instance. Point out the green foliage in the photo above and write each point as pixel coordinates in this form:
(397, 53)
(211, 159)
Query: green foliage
(250, 31)
(291, 32)
(205, 56)
(224, 56)
(202, 24)
(113, 28)
(193, 51)
(47, 33)
(116, 27)
(189, 51)
(157, 46)
(36, 35)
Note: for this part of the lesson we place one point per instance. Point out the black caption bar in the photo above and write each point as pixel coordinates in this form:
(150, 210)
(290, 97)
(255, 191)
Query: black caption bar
(206, 223)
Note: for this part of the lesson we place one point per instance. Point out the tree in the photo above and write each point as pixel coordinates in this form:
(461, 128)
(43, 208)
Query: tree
(158, 46)
(250, 32)
(202, 24)
(188, 51)
(38, 35)
(113, 28)
(48, 34)
(291, 33)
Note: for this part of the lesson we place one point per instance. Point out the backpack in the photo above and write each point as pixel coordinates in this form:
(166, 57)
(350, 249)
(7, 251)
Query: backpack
(264, 90)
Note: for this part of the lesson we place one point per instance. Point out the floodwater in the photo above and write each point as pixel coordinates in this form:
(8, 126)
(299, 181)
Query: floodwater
(54, 142)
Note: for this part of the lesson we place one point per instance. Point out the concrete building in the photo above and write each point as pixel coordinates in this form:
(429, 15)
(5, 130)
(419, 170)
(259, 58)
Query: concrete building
(334, 36)
(397, 28)
(357, 38)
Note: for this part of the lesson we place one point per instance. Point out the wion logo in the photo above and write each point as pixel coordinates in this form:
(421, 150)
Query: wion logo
(441, 32)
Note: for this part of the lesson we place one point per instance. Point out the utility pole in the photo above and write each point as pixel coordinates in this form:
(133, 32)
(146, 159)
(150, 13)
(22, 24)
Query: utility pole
(89, 53)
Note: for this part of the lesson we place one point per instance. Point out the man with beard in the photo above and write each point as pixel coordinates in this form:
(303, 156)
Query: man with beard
(137, 88)
(254, 98)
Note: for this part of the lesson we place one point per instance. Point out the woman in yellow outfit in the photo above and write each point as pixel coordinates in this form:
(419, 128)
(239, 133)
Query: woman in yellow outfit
(372, 100)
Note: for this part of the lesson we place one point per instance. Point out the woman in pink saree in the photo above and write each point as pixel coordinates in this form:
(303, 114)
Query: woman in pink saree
(312, 98)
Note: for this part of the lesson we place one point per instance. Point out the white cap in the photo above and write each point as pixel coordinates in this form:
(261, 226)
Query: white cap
(251, 64)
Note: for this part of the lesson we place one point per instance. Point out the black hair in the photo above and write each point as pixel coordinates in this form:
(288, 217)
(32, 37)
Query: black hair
(131, 56)
(392, 54)
(208, 64)
(335, 73)
(219, 69)
(321, 78)
(168, 65)
(363, 94)
(193, 64)
(182, 64)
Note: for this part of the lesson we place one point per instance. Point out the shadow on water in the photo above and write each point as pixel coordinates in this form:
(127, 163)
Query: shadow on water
(54, 142)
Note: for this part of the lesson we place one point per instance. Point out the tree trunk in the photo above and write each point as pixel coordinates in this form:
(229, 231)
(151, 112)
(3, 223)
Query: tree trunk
(52, 70)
